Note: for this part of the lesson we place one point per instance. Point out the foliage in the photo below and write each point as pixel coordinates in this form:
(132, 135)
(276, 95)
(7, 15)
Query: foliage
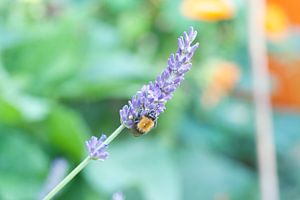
(67, 67)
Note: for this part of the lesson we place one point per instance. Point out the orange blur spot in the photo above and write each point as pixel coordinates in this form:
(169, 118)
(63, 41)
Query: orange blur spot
(224, 78)
(207, 10)
(291, 9)
(276, 21)
(286, 82)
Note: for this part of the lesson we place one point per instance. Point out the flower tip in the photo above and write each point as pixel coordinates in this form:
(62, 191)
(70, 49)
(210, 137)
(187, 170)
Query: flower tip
(103, 137)
(195, 33)
(151, 99)
(186, 37)
(196, 45)
(103, 156)
(193, 36)
(192, 32)
(97, 148)
(180, 43)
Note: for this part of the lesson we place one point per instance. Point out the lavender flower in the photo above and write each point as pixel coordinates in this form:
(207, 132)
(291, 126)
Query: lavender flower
(58, 170)
(96, 148)
(144, 108)
(118, 196)
(151, 99)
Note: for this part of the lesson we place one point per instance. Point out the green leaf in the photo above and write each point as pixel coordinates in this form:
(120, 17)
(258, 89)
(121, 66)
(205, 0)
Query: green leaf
(67, 131)
(105, 75)
(215, 177)
(9, 114)
(23, 165)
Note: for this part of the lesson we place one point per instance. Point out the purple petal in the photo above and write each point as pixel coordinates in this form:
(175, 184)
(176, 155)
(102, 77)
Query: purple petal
(97, 148)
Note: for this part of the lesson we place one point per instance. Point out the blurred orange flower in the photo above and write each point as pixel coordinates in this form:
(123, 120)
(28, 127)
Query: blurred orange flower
(223, 79)
(226, 76)
(287, 85)
(207, 10)
(291, 8)
(276, 21)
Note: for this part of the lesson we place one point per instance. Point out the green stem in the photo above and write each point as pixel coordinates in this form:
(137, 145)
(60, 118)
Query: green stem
(82, 165)
(70, 176)
(114, 134)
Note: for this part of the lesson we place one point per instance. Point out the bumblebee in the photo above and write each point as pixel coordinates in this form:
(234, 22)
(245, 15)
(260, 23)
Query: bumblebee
(144, 124)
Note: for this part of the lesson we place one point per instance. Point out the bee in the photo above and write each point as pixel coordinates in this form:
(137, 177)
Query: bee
(144, 124)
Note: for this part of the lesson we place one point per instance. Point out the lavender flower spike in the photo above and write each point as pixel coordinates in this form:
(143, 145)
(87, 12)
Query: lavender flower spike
(151, 99)
(118, 196)
(96, 148)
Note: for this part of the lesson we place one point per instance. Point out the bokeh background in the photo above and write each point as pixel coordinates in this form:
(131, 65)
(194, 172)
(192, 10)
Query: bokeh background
(67, 67)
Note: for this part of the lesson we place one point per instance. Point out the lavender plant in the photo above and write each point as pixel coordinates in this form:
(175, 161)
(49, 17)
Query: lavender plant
(143, 110)
(118, 196)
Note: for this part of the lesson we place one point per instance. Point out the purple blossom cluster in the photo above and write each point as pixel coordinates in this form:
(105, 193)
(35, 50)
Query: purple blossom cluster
(152, 98)
(97, 148)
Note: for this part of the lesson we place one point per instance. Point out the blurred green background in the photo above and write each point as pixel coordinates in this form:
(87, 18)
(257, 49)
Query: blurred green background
(67, 67)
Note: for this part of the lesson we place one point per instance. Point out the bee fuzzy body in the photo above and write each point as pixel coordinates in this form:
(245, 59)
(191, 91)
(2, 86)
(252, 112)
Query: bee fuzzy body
(144, 125)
